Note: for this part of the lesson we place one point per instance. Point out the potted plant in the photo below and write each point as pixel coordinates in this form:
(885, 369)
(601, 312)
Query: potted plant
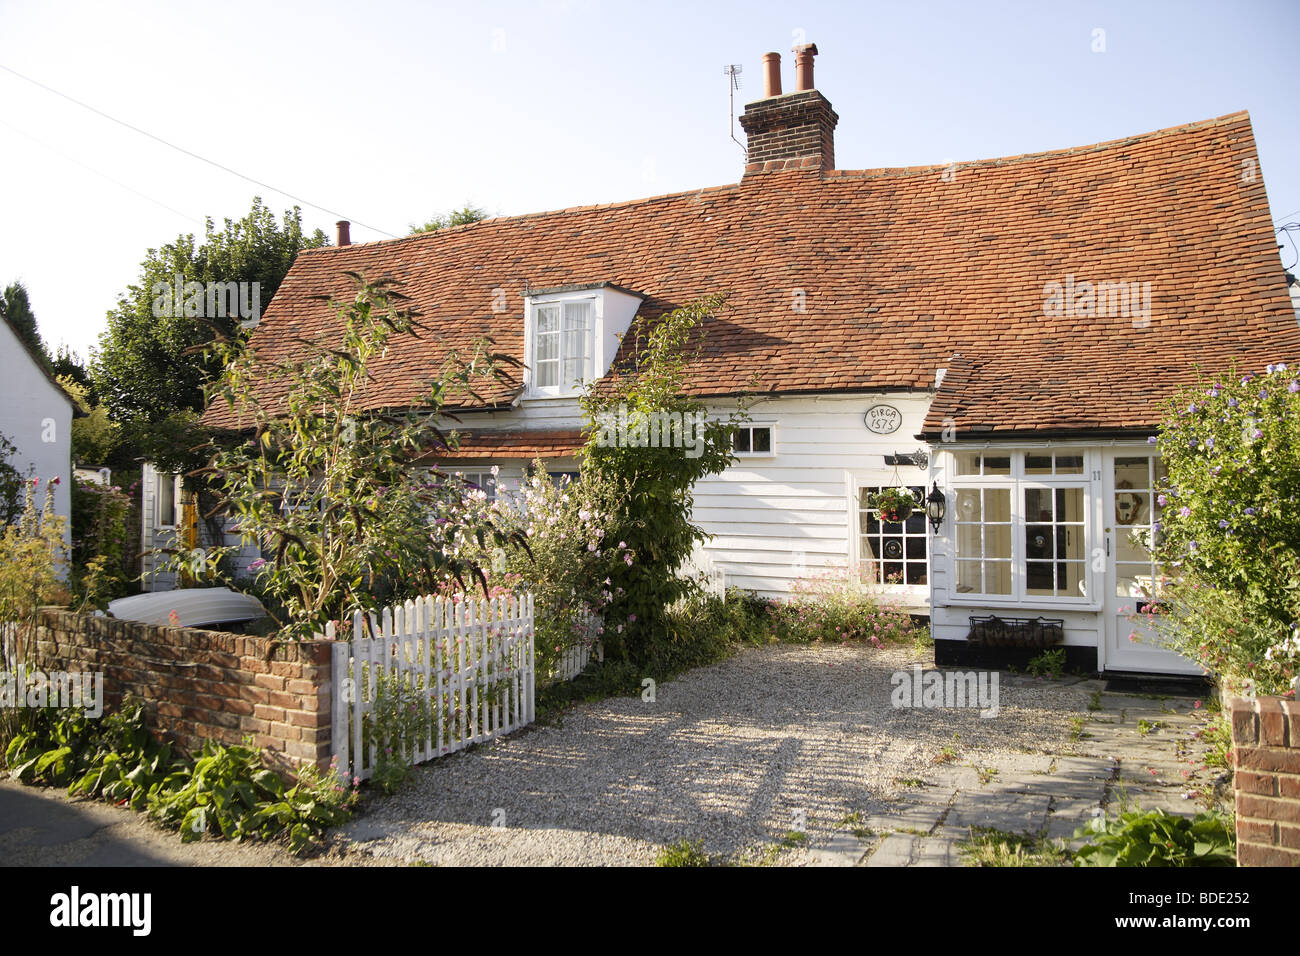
(894, 504)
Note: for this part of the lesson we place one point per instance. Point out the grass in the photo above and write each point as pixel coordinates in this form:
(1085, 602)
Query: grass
(1148, 726)
(986, 774)
(854, 822)
(909, 781)
(1077, 723)
(990, 847)
(1094, 702)
(684, 853)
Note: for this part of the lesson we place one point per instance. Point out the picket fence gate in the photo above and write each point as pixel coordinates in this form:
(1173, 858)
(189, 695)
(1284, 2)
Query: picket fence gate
(463, 671)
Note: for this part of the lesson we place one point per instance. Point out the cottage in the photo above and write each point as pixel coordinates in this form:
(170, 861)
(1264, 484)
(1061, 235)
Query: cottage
(896, 327)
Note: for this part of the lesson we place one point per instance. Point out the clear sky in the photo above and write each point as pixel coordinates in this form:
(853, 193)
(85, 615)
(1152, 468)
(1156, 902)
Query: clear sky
(387, 112)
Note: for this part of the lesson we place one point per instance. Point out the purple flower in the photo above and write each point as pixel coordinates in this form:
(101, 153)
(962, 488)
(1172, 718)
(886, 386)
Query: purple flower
(1250, 511)
(1161, 500)
(1184, 511)
(259, 563)
(1263, 393)
(1257, 434)
(1191, 545)
(1293, 387)
(1151, 440)
(1232, 403)
(1223, 524)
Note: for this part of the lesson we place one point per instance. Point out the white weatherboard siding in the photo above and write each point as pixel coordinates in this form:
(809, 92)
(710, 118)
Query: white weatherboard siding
(793, 514)
(36, 416)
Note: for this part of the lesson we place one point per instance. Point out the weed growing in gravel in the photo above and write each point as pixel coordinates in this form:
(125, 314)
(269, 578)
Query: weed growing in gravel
(986, 774)
(1148, 726)
(1077, 723)
(1047, 664)
(854, 822)
(946, 755)
(1094, 702)
(684, 853)
(991, 847)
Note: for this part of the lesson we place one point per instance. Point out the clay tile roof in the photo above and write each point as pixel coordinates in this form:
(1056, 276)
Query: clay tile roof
(896, 270)
(495, 444)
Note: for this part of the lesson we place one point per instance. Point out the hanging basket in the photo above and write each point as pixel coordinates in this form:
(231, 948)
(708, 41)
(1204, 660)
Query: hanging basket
(894, 504)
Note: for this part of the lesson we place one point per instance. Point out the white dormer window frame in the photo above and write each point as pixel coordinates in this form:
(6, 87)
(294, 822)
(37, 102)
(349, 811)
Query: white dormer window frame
(571, 335)
(561, 343)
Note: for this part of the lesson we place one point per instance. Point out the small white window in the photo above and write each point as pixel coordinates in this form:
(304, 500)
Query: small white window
(753, 441)
(165, 500)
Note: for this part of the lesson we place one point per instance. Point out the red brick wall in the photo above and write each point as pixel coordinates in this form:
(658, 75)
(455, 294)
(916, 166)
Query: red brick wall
(203, 685)
(1266, 748)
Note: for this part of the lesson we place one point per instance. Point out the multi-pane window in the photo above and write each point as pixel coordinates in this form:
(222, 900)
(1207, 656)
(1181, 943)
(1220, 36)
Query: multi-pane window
(1135, 515)
(893, 552)
(1055, 564)
(562, 344)
(983, 540)
(1020, 524)
(752, 440)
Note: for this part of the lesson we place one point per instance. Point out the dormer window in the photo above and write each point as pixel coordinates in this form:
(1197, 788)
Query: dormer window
(572, 334)
(562, 343)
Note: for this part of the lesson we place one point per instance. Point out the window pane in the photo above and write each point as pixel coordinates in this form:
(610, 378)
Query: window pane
(998, 577)
(1069, 504)
(548, 374)
(997, 504)
(997, 541)
(968, 505)
(1069, 464)
(1038, 464)
(968, 543)
(548, 318)
(1038, 504)
(967, 463)
(740, 441)
(1000, 465)
(762, 439)
(916, 573)
(1132, 473)
(969, 577)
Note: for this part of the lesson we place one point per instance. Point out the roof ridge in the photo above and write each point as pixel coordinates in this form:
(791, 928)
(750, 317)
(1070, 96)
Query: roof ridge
(885, 171)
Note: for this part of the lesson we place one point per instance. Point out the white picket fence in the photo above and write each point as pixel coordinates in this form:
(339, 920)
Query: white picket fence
(574, 660)
(700, 566)
(463, 671)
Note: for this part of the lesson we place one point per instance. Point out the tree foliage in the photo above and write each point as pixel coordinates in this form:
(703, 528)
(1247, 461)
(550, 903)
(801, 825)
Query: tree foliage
(149, 366)
(16, 308)
(329, 489)
(653, 518)
(456, 217)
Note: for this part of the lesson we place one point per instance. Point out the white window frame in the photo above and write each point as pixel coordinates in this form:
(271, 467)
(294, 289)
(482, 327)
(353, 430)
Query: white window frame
(750, 426)
(1018, 483)
(862, 553)
(161, 478)
(563, 389)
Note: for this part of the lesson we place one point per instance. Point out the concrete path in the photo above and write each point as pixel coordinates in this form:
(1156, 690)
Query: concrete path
(1126, 750)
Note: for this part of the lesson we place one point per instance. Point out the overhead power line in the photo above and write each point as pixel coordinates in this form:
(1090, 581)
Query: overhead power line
(193, 155)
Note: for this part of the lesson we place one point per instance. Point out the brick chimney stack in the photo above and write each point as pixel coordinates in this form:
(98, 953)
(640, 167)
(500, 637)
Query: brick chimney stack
(345, 232)
(791, 130)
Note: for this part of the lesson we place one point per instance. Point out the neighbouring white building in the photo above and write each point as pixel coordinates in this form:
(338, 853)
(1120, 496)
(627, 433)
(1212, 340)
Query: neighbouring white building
(999, 334)
(36, 417)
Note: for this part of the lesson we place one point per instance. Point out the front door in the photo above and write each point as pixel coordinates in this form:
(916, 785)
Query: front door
(1130, 507)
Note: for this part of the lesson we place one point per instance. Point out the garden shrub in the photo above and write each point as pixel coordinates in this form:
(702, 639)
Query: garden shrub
(1229, 528)
(227, 791)
(1157, 838)
(103, 555)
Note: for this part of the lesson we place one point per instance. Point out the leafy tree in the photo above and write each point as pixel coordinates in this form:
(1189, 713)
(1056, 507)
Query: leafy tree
(457, 217)
(16, 308)
(69, 367)
(329, 490)
(150, 364)
(11, 484)
(653, 517)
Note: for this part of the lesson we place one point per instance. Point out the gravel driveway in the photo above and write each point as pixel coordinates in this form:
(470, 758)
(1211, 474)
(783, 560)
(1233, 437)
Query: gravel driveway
(735, 755)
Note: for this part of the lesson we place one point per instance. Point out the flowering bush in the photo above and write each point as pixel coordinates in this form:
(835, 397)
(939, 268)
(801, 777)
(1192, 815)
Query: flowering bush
(570, 560)
(837, 605)
(1229, 533)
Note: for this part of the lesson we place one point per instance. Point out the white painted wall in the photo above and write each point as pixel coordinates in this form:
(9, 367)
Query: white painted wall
(36, 416)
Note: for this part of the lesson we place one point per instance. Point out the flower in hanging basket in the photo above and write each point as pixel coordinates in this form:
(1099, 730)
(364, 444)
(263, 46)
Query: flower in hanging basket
(894, 504)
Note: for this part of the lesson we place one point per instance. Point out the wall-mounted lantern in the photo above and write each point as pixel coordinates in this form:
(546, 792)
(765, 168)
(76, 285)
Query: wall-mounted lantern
(936, 505)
